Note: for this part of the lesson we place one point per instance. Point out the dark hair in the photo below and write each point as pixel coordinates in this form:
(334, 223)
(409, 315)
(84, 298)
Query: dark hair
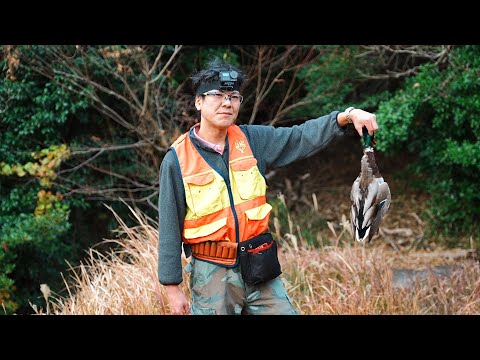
(210, 73)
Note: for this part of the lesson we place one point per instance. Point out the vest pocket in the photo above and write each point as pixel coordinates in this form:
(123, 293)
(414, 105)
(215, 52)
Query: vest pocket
(256, 220)
(248, 179)
(216, 230)
(203, 195)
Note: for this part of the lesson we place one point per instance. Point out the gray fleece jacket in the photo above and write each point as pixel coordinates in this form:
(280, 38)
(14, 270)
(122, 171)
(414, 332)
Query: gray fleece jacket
(272, 147)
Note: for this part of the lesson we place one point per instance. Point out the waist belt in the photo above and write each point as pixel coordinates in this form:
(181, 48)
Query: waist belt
(221, 252)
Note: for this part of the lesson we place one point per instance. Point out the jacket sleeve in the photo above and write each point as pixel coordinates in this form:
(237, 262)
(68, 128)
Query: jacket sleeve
(280, 146)
(171, 212)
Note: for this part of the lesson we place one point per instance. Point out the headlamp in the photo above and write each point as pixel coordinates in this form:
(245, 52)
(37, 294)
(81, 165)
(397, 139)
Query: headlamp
(227, 81)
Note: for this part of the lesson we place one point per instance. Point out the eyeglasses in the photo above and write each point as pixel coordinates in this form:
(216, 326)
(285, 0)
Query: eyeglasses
(220, 96)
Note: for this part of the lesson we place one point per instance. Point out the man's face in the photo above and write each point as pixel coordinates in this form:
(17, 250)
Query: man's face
(219, 110)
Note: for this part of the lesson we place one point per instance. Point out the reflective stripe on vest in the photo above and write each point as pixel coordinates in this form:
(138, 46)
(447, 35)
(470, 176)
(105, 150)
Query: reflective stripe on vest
(212, 210)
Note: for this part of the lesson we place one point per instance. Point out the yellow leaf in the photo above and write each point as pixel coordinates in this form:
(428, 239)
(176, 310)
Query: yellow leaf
(6, 170)
(20, 171)
(45, 182)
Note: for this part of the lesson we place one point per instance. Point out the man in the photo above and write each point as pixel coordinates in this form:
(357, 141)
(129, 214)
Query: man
(212, 197)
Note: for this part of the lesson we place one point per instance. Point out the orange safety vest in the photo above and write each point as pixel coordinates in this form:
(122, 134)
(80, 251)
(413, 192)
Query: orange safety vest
(222, 211)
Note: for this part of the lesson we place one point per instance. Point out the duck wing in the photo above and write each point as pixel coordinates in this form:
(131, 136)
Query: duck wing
(365, 208)
(370, 196)
(382, 205)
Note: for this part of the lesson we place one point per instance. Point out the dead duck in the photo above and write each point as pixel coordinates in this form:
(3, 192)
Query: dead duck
(370, 195)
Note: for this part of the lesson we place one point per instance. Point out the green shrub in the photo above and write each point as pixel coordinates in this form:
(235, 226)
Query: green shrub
(436, 115)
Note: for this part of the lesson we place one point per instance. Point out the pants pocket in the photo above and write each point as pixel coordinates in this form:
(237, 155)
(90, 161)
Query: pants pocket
(198, 310)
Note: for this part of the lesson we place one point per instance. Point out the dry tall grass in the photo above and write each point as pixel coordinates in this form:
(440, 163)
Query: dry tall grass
(123, 281)
(356, 280)
(335, 280)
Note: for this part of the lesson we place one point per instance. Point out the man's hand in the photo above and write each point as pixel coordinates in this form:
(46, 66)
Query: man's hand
(177, 300)
(363, 118)
(360, 118)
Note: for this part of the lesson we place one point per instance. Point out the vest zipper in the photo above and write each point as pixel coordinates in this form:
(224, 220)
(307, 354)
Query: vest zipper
(232, 206)
(230, 195)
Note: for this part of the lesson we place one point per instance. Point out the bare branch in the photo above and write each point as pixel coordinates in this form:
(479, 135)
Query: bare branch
(390, 74)
(157, 60)
(107, 78)
(175, 52)
(107, 147)
(283, 63)
(400, 61)
(116, 75)
(98, 86)
(114, 174)
(82, 164)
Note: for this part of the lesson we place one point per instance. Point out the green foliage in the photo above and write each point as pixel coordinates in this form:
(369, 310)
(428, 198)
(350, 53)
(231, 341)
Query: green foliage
(434, 115)
(34, 250)
(6, 283)
(437, 116)
(30, 239)
(327, 82)
(58, 95)
(340, 77)
(34, 111)
(40, 230)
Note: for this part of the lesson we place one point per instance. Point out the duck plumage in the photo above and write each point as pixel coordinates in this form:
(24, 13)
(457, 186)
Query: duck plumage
(370, 197)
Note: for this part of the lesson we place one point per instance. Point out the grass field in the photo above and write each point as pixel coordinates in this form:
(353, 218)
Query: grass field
(344, 279)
